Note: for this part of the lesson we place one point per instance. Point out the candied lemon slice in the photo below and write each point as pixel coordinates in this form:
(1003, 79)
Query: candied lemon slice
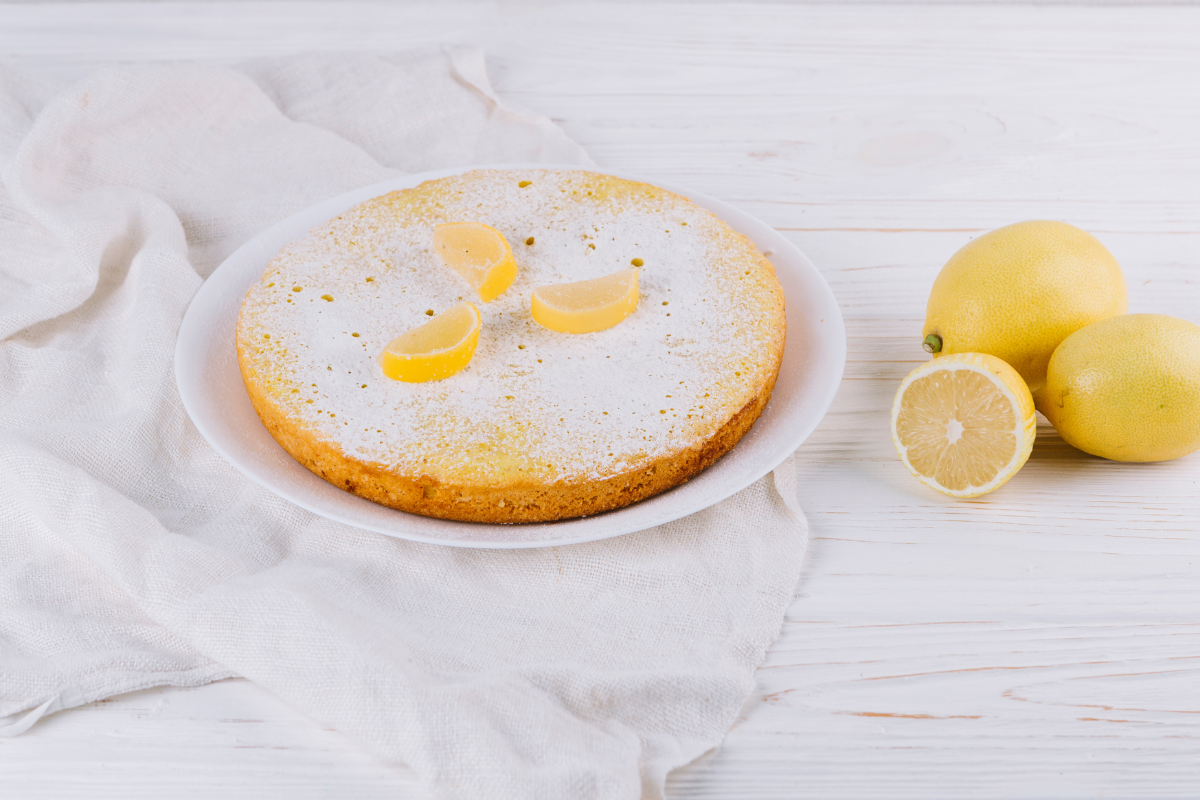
(435, 350)
(586, 306)
(479, 253)
(963, 423)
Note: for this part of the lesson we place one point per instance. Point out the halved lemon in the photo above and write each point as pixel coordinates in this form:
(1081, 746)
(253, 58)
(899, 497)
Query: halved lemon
(964, 423)
(586, 306)
(479, 253)
(435, 350)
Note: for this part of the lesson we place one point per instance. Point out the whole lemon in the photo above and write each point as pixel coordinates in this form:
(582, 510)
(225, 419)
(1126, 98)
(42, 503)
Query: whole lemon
(1128, 388)
(1016, 292)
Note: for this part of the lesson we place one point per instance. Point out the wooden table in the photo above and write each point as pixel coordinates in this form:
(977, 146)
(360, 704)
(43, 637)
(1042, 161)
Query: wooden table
(1040, 641)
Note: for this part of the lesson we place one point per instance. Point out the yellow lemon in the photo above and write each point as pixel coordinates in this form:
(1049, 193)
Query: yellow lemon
(479, 253)
(438, 349)
(963, 424)
(1016, 292)
(586, 306)
(1128, 388)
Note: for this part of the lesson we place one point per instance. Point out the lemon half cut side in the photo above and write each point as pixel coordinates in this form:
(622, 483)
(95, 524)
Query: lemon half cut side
(438, 349)
(479, 253)
(586, 306)
(963, 424)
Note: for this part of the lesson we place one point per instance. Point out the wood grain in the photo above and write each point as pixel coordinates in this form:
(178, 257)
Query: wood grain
(1042, 641)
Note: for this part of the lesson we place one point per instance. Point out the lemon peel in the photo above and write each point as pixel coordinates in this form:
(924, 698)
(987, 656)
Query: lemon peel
(1127, 388)
(1018, 291)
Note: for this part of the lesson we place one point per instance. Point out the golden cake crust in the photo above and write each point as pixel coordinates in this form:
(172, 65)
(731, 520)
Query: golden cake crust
(578, 439)
(515, 503)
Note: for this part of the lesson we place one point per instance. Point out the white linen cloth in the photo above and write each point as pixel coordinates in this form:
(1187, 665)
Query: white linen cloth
(131, 555)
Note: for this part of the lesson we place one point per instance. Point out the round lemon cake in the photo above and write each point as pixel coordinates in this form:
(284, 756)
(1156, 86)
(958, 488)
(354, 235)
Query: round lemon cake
(540, 425)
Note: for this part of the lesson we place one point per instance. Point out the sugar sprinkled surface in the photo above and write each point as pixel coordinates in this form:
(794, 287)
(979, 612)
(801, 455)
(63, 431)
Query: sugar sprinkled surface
(533, 405)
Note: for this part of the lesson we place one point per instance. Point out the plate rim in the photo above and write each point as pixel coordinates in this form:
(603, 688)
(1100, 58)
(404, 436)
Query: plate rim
(346, 200)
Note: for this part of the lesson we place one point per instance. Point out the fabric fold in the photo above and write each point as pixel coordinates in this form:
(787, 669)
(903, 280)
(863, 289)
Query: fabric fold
(133, 556)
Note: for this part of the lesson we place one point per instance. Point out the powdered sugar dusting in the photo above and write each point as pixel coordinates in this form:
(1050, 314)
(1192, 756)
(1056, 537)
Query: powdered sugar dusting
(533, 405)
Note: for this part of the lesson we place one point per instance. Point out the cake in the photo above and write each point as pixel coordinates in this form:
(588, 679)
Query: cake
(540, 425)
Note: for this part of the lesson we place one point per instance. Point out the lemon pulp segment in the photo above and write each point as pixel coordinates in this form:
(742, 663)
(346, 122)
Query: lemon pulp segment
(963, 424)
(436, 350)
(586, 306)
(479, 253)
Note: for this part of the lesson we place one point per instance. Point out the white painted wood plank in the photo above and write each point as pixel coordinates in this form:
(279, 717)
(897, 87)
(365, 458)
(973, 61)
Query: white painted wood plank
(229, 739)
(1039, 641)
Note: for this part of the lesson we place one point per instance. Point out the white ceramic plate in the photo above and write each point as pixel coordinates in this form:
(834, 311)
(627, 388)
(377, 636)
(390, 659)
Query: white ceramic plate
(210, 384)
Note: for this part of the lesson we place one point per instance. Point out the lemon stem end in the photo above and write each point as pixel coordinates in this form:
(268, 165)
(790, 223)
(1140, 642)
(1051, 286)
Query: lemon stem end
(932, 343)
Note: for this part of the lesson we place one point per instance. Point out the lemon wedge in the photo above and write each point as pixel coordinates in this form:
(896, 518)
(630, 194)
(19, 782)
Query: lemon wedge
(479, 253)
(963, 423)
(586, 306)
(435, 350)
